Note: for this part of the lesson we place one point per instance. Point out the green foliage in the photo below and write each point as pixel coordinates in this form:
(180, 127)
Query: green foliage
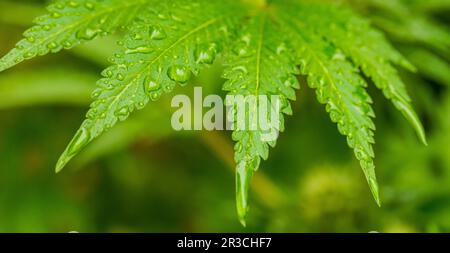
(168, 42)
(340, 87)
(165, 47)
(70, 23)
(260, 63)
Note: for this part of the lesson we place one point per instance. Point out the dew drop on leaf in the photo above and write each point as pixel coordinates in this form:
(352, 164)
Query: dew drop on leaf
(281, 49)
(52, 45)
(80, 140)
(360, 154)
(241, 49)
(157, 33)
(89, 6)
(120, 77)
(139, 50)
(31, 39)
(150, 85)
(179, 74)
(122, 113)
(72, 4)
(205, 53)
(156, 95)
(88, 33)
(46, 27)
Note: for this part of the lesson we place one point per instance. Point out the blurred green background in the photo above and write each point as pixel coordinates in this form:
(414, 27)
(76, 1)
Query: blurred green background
(144, 177)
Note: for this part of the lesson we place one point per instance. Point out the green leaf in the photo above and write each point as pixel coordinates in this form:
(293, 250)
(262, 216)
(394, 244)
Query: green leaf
(69, 23)
(404, 23)
(430, 65)
(34, 87)
(341, 88)
(259, 64)
(366, 48)
(164, 47)
(168, 42)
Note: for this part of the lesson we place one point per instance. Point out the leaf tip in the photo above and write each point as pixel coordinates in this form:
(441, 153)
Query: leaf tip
(243, 178)
(375, 190)
(423, 138)
(62, 162)
(243, 222)
(408, 66)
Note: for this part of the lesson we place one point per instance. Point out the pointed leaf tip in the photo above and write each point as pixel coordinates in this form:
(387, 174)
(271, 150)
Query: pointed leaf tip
(412, 117)
(244, 175)
(62, 162)
(79, 141)
(373, 184)
(408, 66)
(243, 222)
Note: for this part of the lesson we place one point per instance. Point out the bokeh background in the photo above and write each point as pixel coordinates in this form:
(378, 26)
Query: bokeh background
(144, 177)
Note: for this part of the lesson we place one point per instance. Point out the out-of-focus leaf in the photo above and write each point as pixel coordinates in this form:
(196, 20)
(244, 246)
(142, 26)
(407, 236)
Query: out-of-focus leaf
(17, 13)
(430, 65)
(35, 87)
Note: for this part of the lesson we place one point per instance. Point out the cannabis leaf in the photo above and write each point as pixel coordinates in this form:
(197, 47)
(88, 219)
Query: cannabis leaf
(260, 64)
(168, 42)
(341, 88)
(367, 48)
(165, 46)
(70, 23)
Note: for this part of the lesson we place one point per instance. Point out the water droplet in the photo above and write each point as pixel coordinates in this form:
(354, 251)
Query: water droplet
(102, 21)
(150, 85)
(137, 36)
(56, 15)
(52, 45)
(67, 44)
(177, 19)
(46, 27)
(179, 74)
(122, 113)
(89, 6)
(107, 73)
(139, 50)
(241, 49)
(155, 96)
(281, 49)
(31, 39)
(95, 94)
(73, 4)
(360, 154)
(162, 16)
(168, 88)
(120, 77)
(157, 33)
(140, 105)
(80, 140)
(88, 33)
(238, 147)
(28, 55)
(206, 53)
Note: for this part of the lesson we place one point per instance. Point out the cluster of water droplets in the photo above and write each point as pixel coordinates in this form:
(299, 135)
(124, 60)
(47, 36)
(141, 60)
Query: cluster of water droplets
(41, 39)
